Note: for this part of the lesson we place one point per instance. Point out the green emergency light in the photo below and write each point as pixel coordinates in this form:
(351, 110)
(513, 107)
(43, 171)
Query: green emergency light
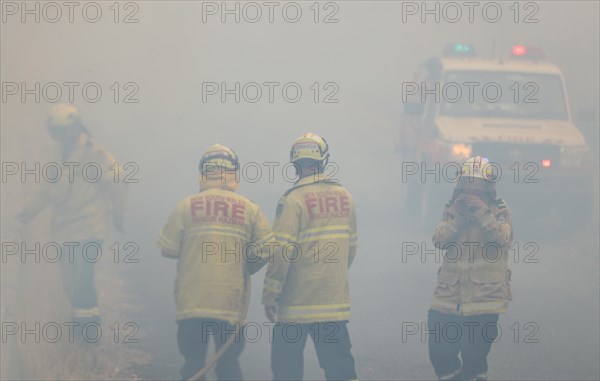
(459, 50)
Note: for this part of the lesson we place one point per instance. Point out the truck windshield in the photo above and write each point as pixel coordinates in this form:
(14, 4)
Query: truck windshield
(489, 94)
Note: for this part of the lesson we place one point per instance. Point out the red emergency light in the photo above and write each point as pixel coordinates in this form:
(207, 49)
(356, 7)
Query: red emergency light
(546, 163)
(519, 50)
(527, 52)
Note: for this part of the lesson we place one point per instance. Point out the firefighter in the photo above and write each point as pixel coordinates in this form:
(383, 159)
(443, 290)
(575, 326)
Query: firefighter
(473, 282)
(218, 238)
(306, 285)
(83, 204)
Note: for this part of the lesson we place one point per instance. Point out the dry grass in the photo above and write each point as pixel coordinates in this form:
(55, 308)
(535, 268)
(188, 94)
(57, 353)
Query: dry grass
(33, 292)
(43, 300)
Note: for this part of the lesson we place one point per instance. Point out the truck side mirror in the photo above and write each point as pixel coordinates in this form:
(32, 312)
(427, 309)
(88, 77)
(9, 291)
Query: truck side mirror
(414, 108)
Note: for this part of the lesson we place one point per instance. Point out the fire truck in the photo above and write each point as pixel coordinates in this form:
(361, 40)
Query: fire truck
(512, 110)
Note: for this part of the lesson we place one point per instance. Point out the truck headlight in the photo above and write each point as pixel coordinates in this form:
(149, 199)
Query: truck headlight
(461, 150)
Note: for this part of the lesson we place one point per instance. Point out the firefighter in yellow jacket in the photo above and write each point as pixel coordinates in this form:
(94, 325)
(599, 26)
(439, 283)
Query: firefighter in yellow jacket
(218, 237)
(306, 285)
(86, 192)
(473, 282)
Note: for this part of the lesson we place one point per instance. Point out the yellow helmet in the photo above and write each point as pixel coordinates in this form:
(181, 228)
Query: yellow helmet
(219, 158)
(478, 167)
(309, 146)
(63, 115)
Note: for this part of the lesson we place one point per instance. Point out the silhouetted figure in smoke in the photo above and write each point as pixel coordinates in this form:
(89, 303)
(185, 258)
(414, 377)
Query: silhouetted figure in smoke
(86, 193)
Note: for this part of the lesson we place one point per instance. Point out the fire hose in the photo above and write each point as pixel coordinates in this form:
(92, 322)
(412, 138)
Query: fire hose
(232, 338)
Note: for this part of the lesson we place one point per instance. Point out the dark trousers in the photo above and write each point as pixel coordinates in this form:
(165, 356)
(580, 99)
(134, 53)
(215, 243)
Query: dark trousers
(193, 336)
(332, 343)
(471, 336)
(77, 266)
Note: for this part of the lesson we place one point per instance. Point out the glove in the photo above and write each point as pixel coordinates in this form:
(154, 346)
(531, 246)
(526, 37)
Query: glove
(469, 206)
(474, 203)
(271, 311)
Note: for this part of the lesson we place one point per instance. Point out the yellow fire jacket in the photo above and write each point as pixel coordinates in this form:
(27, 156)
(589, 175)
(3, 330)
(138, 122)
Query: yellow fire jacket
(474, 277)
(217, 236)
(315, 228)
(85, 190)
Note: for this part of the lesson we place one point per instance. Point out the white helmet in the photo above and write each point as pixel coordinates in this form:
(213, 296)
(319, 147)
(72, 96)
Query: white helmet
(478, 167)
(63, 115)
(219, 157)
(309, 146)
